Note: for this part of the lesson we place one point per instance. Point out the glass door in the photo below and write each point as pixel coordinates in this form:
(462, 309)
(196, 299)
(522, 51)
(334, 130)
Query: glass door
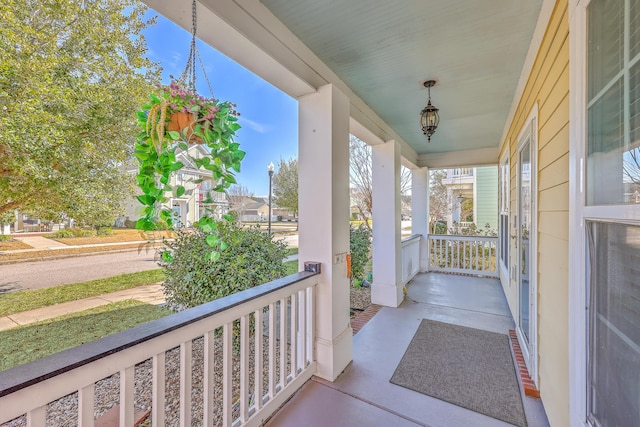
(524, 246)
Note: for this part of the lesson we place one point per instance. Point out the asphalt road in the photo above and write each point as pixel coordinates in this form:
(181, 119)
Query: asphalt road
(44, 274)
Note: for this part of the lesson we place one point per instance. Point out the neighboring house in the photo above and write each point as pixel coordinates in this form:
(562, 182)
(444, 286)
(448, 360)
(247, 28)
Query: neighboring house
(256, 209)
(23, 223)
(199, 198)
(479, 186)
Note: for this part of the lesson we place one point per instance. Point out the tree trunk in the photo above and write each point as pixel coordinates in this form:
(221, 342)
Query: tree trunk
(9, 206)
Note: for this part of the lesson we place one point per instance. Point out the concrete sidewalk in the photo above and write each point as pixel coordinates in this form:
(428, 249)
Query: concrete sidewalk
(150, 294)
(40, 243)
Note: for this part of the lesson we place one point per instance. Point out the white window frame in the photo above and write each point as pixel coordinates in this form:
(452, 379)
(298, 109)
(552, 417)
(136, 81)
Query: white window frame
(505, 194)
(529, 129)
(579, 214)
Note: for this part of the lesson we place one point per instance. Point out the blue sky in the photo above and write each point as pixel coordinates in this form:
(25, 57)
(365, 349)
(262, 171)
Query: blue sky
(269, 117)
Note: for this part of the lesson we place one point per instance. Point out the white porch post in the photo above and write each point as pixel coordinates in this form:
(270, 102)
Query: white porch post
(420, 212)
(323, 182)
(387, 248)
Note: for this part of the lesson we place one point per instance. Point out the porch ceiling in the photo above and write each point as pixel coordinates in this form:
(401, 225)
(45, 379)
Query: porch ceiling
(384, 50)
(379, 53)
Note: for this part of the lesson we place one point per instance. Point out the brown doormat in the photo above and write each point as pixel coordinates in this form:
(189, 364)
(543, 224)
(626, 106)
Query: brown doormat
(468, 367)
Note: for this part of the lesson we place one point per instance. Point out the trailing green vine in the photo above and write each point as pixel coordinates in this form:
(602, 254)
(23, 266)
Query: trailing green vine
(168, 123)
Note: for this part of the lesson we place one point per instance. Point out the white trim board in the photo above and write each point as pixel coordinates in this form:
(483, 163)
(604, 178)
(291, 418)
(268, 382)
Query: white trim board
(529, 132)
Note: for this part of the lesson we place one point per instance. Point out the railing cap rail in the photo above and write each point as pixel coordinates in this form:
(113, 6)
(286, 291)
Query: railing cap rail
(461, 237)
(31, 373)
(410, 238)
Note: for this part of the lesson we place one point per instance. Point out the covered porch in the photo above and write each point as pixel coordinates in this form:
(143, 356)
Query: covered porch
(363, 395)
(372, 88)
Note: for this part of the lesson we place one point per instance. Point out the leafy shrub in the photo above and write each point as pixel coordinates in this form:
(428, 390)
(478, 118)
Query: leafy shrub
(250, 259)
(61, 234)
(4, 237)
(73, 232)
(104, 231)
(360, 246)
(235, 215)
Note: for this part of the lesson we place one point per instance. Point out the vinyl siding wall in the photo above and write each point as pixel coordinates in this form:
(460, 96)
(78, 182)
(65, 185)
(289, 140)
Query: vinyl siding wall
(486, 197)
(548, 86)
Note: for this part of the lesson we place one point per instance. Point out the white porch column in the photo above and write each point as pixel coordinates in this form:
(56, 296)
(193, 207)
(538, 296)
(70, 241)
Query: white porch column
(323, 182)
(420, 212)
(387, 248)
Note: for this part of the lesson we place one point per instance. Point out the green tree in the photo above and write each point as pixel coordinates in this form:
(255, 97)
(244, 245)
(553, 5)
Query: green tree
(71, 77)
(440, 201)
(285, 185)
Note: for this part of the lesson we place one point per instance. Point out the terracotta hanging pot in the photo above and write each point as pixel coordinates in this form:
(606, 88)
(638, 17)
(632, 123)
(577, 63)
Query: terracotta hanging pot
(184, 123)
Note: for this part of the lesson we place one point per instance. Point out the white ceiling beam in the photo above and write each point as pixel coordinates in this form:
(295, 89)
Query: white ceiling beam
(464, 158)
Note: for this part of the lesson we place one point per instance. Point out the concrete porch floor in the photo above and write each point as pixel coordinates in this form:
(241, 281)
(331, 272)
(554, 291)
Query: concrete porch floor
(363, 395)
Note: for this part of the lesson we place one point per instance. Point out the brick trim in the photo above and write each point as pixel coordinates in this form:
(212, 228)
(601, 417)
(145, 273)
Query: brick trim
(527, 383)
(361, 319)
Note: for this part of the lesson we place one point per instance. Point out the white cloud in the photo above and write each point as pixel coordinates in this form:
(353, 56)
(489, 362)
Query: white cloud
(258, 127)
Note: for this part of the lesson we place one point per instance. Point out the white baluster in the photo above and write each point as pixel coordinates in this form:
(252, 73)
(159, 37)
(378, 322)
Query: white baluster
(294, 335)
(209, 365)
(85, 405)
(37, 417)
(186, 355)
(244, 368)
(272, 350)
(157, 394)
(303, 329)
(258, 363)
(126, 396)
(227, 373)
(283, 342)
(311, 317)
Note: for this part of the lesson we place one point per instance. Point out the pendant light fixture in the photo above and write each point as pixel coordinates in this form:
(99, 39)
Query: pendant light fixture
(429, 117)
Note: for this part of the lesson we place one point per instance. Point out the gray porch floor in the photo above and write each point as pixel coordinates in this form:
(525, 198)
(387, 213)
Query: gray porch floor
(363, 395)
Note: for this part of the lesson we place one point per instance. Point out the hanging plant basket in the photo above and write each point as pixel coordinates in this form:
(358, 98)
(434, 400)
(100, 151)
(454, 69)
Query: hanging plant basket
(170, 121)
(185, 123)
(175, 117)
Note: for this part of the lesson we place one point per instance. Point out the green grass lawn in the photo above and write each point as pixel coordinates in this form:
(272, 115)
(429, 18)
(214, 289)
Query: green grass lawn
(16, 302)
(292, 251)
(30, 342)
(292, 266)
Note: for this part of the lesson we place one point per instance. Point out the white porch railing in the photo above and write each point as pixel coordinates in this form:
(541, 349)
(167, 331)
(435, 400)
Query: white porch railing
(264, 335)
(463, 254)
(410, 257)
(459, 172)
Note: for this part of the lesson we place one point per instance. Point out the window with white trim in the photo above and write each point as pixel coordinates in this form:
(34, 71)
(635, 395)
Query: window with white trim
(614, 324)
(613, 102)
(611, 220)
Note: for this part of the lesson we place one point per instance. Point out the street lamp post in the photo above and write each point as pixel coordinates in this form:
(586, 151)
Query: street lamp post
(270, 170)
